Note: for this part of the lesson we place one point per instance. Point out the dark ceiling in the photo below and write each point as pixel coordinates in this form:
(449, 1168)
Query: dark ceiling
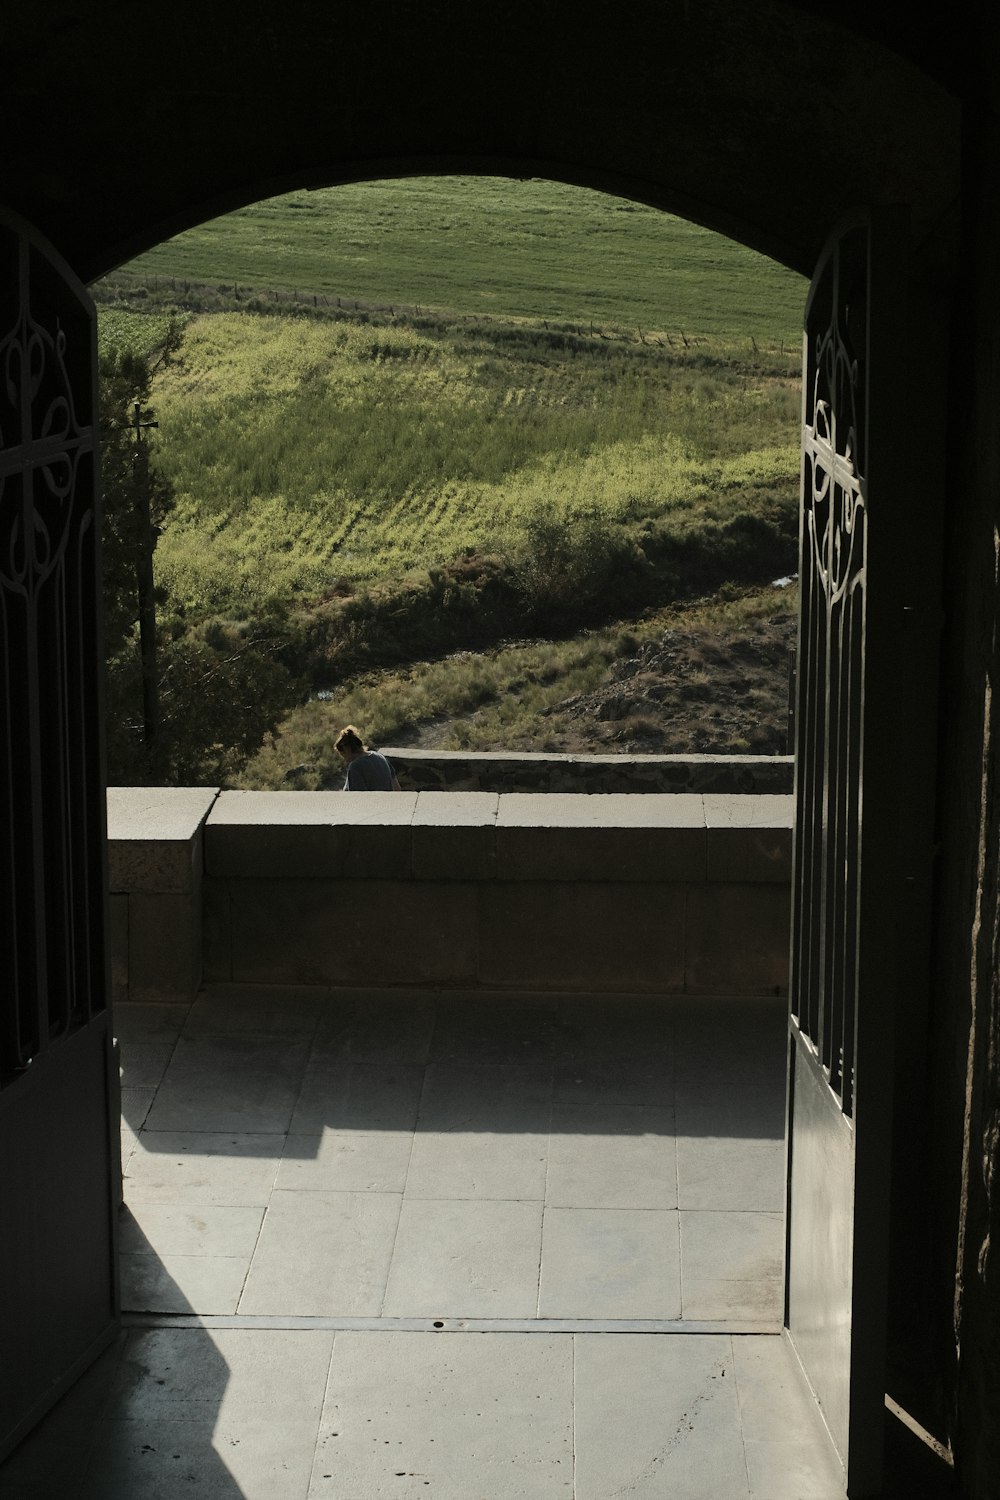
(126, 124)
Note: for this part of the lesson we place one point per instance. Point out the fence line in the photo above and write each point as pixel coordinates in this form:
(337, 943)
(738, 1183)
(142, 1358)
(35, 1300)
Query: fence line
(119, 289)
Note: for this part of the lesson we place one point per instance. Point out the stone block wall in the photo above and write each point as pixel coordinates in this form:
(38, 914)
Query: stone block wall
(461, 771)
(660, 894)
(155, 870)
(564, 892)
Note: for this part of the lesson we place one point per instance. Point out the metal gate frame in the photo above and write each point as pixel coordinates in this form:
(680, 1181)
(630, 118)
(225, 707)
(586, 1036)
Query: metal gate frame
(59, 1121)
(866, 744)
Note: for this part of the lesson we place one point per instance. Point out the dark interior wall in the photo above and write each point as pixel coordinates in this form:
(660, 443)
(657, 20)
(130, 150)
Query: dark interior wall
(966, 1195)
(767, 121)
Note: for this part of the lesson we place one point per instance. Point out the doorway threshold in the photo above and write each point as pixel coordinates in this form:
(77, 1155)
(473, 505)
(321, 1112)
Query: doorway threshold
(289, 1323)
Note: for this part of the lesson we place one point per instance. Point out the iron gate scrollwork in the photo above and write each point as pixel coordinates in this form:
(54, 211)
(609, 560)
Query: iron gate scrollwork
(830, 710)
(51, 824)
(859, 819)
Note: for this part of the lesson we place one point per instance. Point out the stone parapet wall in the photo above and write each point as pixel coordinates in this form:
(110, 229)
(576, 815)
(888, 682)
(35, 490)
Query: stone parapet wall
(155, 876)
(460, 771)
(662, 893)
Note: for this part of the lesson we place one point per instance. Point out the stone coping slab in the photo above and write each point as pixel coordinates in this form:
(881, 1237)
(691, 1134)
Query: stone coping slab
(453, 836)
(456, 810)
(508, 836)
(749, 838)
(606, 836)
(312, 809)
(153, 836)
(601, 810)
(302, 835)
(762, 810)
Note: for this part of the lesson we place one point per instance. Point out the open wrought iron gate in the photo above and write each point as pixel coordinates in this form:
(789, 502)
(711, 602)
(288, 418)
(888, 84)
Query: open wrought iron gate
(863, 836)
(58, 1087)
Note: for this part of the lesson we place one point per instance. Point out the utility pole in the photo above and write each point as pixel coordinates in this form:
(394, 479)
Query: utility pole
(144, 579)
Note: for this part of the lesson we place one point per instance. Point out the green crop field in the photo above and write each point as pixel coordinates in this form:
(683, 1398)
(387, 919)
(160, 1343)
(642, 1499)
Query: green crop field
(305, 454)
(495, 247)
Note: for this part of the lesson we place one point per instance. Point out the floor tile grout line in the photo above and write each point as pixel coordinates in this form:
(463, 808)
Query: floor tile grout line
(677, 1170)
(673, 1101)
(325, 1001)
(573, 1398)
(156, 1089)
(322, 1409)
(103, 1415)
(545, 1189)
(739, 1413)
(253, 1252)
(123, 1084)
(680, 1259)
(307, 1322)
(392, 1250)
(285, 1134)
(409, 1158)
(566, 1208)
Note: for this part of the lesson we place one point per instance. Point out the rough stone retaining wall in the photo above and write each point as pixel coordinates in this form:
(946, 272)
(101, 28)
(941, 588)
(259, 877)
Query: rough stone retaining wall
(459, 771)
(668, 893)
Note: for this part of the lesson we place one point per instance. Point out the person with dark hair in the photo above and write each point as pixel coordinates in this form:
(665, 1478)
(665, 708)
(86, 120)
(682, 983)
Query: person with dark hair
(367, 771)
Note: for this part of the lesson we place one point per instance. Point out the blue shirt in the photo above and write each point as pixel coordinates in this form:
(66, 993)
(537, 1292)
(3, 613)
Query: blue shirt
(370, 772)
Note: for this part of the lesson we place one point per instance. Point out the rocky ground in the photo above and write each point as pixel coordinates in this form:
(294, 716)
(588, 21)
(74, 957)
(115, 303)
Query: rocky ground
(693, 693)
(687, 691)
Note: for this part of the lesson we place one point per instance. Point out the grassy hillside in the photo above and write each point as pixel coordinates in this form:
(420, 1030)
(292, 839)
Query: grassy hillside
(490, 246)
(707, 677)
(484, 410)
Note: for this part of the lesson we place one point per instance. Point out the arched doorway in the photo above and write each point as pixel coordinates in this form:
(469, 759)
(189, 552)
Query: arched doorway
(830, 680)
(611, 130)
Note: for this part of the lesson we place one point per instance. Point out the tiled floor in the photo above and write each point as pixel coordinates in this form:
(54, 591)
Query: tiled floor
(314, 1180)
(454, 1156)
(240, 1414)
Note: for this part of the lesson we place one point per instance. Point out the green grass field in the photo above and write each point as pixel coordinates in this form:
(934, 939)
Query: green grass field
(492, 247)
(308, 453)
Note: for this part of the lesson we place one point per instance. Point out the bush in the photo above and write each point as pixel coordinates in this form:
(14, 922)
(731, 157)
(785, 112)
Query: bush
(220, 693)
(566, 565)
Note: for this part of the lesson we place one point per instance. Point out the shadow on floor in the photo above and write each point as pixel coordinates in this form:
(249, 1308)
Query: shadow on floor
(326, 1153)
(140, 1422)
(266, 1137)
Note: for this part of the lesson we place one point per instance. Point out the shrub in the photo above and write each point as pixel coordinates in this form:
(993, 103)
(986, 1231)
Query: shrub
(564, 565)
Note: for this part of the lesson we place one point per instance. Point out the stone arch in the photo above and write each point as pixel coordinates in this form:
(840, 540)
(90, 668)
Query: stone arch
(767, 124)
